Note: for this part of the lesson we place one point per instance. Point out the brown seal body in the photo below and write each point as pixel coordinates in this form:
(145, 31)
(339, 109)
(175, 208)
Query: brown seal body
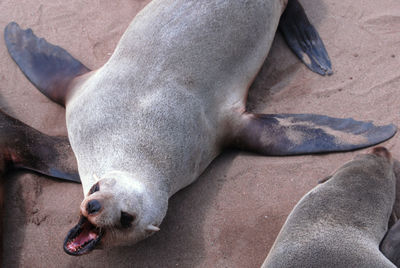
(341, 222)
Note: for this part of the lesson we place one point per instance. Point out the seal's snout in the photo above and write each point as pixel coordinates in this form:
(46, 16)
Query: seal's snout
(382, 151)
(93, 207)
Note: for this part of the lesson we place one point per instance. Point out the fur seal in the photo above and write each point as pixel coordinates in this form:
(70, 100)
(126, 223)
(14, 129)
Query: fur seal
(170, 98)
(341, 222)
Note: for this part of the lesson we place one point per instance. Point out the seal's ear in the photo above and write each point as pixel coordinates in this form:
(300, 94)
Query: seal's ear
(152, 228)
(303, 39)
(293, 134)
(50, 68)
(24, 147)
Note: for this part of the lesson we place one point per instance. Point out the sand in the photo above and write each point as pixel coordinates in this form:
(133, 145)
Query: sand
(232, 214)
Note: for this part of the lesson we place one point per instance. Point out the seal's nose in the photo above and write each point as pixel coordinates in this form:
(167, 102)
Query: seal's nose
(382, 151)
(93, 206)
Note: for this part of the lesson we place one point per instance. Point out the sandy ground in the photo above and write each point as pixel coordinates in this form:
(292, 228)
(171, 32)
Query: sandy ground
(232, 214)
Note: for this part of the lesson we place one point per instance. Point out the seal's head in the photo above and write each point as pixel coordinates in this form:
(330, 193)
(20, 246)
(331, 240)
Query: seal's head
(117, 210)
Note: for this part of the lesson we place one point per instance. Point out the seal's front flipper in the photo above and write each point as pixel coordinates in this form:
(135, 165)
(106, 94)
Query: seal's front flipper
(303, 39)
(293, 134)
(390, 246)
(50, 68)
(24, 147)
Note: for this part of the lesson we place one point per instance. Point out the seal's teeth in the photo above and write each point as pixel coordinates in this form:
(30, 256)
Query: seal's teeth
(83, 238)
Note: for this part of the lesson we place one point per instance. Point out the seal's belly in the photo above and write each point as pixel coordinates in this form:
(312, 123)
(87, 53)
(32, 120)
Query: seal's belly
(165, 133)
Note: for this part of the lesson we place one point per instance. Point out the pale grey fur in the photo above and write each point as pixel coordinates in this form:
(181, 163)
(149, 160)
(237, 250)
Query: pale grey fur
(340, 223)
(158, 112)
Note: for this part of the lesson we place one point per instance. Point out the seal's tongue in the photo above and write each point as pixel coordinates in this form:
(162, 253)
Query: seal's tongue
(83, 238)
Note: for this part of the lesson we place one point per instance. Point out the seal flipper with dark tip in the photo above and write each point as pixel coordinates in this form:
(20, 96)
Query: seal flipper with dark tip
(24, 147)
(50, 68)
(303, 39)
(293, 134)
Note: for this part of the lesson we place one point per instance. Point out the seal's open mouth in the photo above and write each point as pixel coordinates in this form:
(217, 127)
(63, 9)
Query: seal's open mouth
(83, 238)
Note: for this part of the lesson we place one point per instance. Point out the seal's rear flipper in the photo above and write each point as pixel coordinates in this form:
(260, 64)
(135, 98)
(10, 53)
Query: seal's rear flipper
(293, 134)
(390, 246)
(24, 147)
(303, 39)
(50, 68)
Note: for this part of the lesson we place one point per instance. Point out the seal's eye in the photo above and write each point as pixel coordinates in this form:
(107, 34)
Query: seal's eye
(95, 188)
(126, 219)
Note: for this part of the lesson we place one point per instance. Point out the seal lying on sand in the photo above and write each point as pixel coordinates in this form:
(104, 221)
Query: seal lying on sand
(23, 147)
(169, 99)
(341, 222)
